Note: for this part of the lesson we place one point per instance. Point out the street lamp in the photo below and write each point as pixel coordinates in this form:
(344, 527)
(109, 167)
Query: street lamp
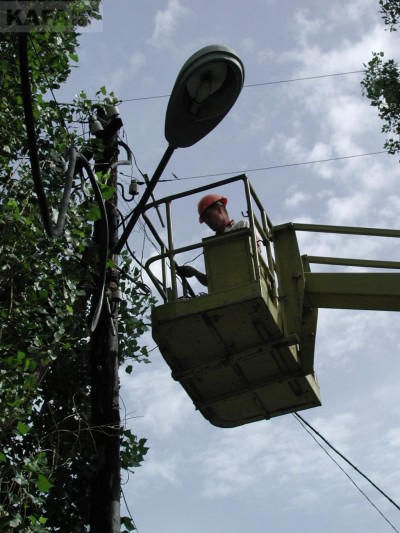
(206, 88)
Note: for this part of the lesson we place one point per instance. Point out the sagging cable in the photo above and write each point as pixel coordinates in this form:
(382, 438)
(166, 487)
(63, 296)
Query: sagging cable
(74, 157)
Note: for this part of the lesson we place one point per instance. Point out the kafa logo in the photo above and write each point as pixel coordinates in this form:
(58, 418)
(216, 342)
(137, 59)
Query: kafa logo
(45, 16)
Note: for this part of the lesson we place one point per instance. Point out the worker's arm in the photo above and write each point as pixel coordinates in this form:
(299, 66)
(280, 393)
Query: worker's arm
(190, 272)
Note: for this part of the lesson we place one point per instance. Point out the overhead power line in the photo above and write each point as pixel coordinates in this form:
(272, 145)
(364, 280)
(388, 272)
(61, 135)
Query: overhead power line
(306, 425)
(247, 170)
(296, 415)
(255, 84)
(304, 79)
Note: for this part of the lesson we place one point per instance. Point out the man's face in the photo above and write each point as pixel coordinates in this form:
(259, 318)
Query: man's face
(215, 217)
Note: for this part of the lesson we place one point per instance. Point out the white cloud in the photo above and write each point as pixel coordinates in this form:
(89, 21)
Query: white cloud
(306, 25)
(121, 77)
(331, 113)
(238, 459)
(249, 44)
(338, 430)
(291, 146)
(389, 212)
(136, 61)
(159, 471)
(243, 459)
(167, 22)
(345, 209)
(161, 405)
(354, 11)
(321, 150)
(336, 53)
(295, 198)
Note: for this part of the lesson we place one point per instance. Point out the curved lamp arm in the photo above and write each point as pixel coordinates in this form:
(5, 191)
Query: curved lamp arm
(206, 88)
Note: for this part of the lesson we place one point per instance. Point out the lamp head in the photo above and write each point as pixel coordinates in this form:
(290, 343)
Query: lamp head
(206, 88)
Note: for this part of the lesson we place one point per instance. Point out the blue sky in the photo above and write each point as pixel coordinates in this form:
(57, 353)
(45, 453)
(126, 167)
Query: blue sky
(266, 477)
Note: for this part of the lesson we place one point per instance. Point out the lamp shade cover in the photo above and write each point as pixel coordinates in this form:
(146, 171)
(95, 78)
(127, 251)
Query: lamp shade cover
(206, 88)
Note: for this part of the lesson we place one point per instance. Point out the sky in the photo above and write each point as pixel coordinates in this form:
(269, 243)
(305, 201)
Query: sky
(270, 476)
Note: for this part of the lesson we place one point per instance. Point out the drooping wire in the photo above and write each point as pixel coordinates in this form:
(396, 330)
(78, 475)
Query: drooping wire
(140, 228)
(141, 283)
(33, 151)
(74, 157)
(309, 428)
(127, 508)
(145, 177)
(347, 475)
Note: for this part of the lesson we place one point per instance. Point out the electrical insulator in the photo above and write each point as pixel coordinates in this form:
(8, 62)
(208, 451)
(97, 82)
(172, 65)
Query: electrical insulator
(116, 295)
(112, 111)
(95, 125)
(133, 187)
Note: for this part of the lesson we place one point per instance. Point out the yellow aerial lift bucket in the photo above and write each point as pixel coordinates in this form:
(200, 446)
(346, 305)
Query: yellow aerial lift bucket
(245, 350)
(229, 348)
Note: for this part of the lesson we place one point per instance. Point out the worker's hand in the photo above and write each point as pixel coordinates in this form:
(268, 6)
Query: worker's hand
(186, 271)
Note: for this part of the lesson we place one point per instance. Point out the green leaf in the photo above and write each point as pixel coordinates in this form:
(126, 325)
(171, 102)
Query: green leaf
(127, 522)
(47, 289)
(15, 521)
(43, 484)
(108, 192)
(23, 429)
(94, 213)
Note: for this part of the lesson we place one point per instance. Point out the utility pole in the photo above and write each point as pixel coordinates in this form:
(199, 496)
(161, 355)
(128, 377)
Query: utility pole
(105, 490)
(205, 90)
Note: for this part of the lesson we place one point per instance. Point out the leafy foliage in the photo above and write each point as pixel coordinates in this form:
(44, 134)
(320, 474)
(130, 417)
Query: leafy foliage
(381, 83)
(47, 452)
(390, 12)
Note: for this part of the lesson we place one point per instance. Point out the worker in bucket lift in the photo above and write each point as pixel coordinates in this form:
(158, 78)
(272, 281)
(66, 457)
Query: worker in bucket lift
(212, 210)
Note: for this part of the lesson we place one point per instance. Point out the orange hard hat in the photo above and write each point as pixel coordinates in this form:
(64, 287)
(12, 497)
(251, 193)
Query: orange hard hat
(208, 200)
